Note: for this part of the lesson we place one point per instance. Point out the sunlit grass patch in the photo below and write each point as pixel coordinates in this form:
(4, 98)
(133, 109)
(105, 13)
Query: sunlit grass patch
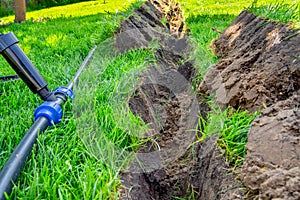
(74, 10)
(279, 11)
(57, 46)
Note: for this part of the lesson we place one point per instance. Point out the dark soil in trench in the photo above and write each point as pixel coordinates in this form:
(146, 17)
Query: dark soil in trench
(259, 69)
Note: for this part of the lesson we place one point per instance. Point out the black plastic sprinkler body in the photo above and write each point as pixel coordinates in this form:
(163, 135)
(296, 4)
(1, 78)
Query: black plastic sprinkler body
(17, 59)
(47, 114)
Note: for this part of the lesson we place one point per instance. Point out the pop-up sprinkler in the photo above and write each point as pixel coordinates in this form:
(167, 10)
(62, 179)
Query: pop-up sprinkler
(47, 114)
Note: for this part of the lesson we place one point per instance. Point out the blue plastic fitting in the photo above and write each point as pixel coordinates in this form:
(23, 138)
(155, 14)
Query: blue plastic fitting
(51, 110)
(65, 91)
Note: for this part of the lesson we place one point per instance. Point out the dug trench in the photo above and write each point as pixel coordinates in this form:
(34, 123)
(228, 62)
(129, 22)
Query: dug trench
(258, 69)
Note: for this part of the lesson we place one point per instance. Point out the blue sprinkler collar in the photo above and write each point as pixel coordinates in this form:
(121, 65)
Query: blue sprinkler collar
(51, 109)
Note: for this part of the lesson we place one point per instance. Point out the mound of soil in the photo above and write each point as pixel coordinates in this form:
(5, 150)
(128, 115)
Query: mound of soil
(259, 66)
(272, 165)
(260, 70)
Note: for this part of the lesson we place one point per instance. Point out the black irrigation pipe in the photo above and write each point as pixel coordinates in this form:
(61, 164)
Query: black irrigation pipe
(47, 114)
(9, 78)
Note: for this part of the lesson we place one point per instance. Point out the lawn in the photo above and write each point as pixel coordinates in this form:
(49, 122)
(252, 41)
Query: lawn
(65, 163)
(62, 164)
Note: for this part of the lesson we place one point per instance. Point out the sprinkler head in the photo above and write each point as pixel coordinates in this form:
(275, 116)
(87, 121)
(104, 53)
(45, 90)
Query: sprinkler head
(17, 59)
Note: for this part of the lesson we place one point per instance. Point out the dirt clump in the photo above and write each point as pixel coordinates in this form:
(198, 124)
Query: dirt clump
(272, 165)
(259, 69)
(211, 176)
(146, 26)
(259, 66)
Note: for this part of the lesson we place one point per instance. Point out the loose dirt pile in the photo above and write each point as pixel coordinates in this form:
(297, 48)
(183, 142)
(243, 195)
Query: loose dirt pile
(259, 69)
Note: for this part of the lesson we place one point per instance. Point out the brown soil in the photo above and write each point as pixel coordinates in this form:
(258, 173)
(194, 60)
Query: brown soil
(259, 66)
(272, 165)
(259, 69)
(173, 14)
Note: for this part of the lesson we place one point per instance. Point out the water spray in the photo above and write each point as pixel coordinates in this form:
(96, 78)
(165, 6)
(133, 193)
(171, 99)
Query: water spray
(47, 114)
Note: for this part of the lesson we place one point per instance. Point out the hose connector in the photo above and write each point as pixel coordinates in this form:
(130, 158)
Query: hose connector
(51, 110)
(64, 91)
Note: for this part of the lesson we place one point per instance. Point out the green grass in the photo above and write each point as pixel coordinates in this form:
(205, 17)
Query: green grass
(234, 135)
(73, 10)
(280, 11)
(80, 158)
(232, 127)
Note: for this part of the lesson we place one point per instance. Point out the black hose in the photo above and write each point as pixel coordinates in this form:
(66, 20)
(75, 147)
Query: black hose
(14, 165)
